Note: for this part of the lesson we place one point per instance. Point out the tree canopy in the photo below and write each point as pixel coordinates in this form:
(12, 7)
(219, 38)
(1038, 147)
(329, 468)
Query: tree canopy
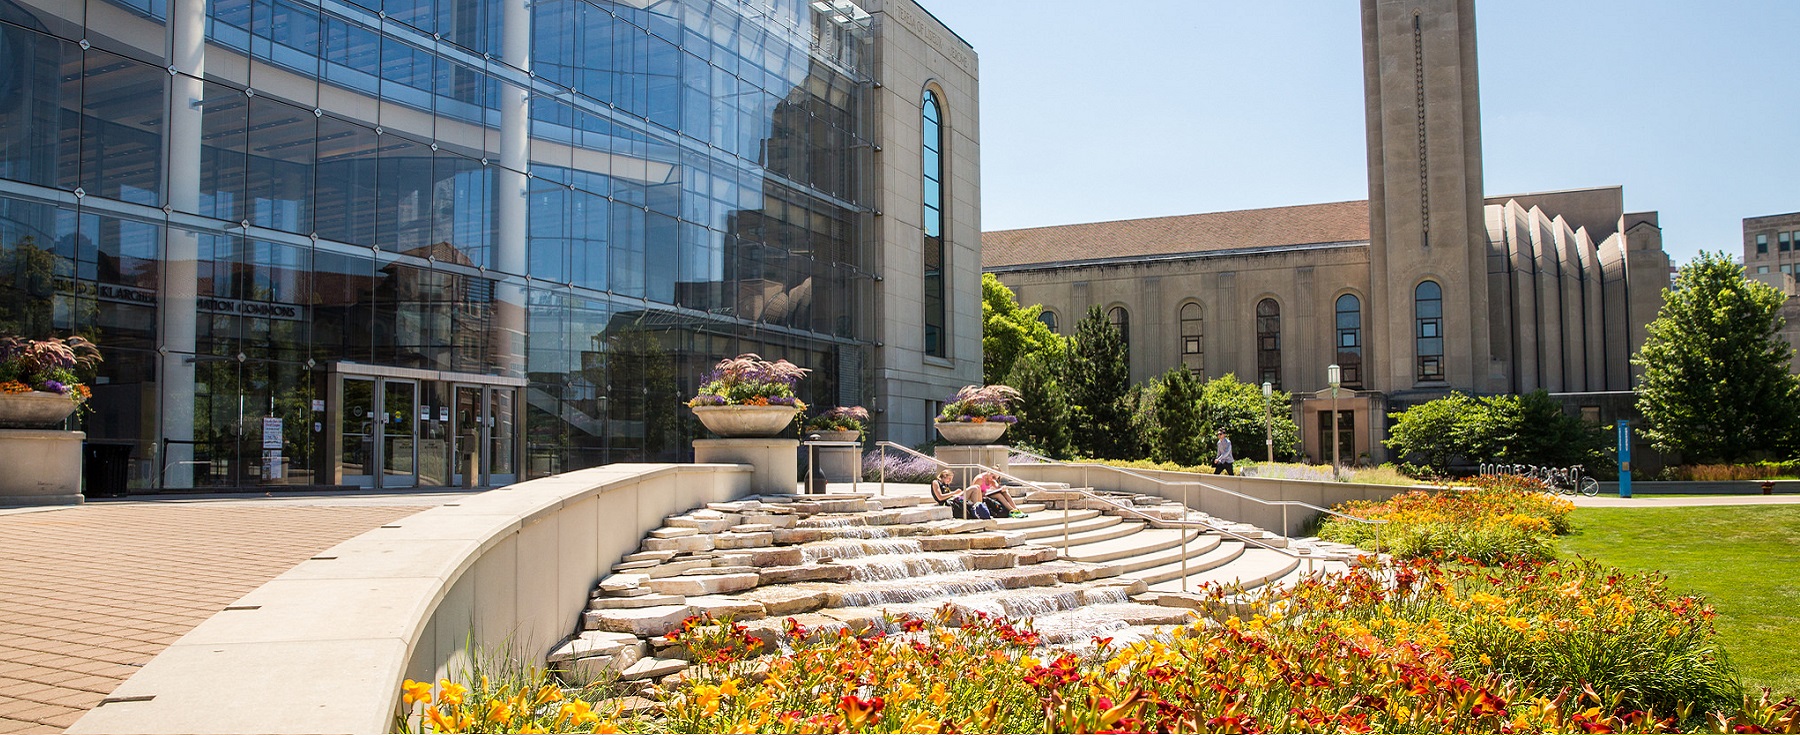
(1099, 383)
(1009, 331)
(1440, 436)
(1716, 385)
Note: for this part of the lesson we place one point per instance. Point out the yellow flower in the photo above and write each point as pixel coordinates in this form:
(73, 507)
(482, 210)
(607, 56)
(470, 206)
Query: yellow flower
(920, 722)
(548, 693)
(415, 691)
(1518, 624)
(939, 695)
(438, 721)
(498, 710)
(606, 727)
(729, 688)
(451, 693)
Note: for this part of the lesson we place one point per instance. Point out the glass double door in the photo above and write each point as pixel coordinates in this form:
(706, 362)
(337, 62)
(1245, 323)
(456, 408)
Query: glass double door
(402, 433)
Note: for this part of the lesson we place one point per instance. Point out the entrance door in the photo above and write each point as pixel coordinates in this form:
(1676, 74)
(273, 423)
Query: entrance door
(470, 433)
(356, 438)
(501, 403)
(400, 445)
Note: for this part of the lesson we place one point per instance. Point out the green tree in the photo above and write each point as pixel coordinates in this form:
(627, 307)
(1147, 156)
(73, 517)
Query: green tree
(1238, 408)
(1716, 385)
(1179, 432)
(1435, 437)
(1009, 331)
(1431, 436)
(1099, 382)
(1043, 405)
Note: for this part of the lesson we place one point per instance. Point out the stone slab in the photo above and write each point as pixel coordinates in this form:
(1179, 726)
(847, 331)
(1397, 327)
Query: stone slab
(649, 599)
(731, 540)
(673, 532)
(709, 584)
(593, 643)
(786, 599)
(657, 556)
(685, 543)
(642, 622)
(804, 573)
(736, 608)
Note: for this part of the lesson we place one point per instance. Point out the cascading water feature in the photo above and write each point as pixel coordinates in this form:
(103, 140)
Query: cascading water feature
(857, 549)
(919, 589)
(890, 567)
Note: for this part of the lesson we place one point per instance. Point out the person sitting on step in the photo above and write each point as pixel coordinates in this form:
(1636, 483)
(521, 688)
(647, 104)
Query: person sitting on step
(946, 492)
(986, 490)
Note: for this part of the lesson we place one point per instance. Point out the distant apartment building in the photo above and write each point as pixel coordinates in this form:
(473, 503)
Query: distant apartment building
(1772, 255)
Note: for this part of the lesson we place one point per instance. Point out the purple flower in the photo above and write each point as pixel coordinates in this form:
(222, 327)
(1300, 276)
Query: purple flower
(55, 386)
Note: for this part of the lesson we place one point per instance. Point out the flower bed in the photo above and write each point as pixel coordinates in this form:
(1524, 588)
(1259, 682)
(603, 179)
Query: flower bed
(1500, 518)
(1532, 647)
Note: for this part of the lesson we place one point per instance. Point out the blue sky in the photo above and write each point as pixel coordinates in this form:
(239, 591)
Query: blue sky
(1100, 110)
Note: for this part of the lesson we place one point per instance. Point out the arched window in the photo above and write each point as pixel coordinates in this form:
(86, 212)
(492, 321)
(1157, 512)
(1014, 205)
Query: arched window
(932, 164)
(1349, 339)
(1049, 320)
(1428, 311)
(1268, 342)
(1193, 339)
(1121, 320)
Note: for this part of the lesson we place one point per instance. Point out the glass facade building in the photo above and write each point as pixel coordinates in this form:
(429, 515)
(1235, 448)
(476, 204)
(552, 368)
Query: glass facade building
(432, 242)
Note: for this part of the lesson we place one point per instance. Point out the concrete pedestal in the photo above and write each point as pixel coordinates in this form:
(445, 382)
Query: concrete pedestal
(777, 461)
(989, 455)
(41, 467)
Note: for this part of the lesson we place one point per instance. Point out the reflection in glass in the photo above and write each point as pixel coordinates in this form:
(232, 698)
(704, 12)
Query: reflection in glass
(1428, 312)
(1268, 342)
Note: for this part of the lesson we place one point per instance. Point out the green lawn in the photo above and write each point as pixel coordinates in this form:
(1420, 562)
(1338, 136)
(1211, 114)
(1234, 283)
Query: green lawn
(1744, 560)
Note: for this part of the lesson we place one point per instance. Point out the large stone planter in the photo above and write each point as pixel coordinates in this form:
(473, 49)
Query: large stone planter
(971, 432)
(839, 464)
(42, 467)
(747, 422)
(34, 410)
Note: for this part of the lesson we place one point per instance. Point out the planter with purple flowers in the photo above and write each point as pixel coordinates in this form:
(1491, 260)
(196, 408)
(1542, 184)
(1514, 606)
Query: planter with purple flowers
(747, 397)
(39, 387)
(977, 414)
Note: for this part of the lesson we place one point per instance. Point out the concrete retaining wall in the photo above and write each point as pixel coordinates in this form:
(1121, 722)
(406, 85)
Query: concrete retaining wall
(325, 646)
(1220, 505)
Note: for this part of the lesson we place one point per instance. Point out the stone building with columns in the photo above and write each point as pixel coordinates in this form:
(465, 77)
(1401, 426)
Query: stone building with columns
(398, 243)
(1428, 286)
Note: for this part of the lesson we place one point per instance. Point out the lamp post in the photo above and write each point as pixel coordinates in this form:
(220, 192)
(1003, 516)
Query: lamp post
(1334, 376)
(1268, 423)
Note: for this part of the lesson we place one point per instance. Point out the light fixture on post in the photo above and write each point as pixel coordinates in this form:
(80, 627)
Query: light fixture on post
(1268, 422)
(1334, 376)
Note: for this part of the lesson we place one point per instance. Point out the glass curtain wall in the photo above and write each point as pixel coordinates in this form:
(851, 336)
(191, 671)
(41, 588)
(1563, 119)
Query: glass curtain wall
(333, 185)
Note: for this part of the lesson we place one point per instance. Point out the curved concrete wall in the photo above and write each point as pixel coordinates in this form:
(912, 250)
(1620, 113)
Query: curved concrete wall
(325, 646)
(1220, 505)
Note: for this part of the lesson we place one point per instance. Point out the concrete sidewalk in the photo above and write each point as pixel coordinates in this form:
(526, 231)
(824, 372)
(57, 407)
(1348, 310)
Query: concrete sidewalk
(1659, 501)
(90, 593)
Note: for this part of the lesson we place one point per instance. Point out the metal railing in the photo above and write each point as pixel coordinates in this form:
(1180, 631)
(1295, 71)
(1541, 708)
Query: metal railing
(1157, 521)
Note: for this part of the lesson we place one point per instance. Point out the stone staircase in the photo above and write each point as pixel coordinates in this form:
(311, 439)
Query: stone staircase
(844, 561)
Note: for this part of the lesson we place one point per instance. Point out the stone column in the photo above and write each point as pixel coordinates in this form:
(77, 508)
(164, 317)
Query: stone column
(512, 201)
(176, 315)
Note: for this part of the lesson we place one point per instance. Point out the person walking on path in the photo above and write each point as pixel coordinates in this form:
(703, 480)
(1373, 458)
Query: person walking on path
(1223, 462)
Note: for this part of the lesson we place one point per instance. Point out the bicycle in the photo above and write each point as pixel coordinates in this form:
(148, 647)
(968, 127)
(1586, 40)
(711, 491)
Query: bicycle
(1559, 480)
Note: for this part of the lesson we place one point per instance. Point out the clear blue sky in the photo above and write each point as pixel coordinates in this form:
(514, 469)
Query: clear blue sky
(1095, 110)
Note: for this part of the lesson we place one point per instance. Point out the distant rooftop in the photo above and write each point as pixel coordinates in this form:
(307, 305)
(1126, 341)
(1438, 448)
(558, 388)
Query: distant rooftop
(1307, 224)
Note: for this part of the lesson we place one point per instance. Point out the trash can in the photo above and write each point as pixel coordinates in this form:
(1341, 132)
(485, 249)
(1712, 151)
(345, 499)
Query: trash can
(105, 469)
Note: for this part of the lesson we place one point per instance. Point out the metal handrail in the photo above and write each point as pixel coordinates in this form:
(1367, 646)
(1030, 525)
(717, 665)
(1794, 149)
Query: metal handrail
(1155, 521)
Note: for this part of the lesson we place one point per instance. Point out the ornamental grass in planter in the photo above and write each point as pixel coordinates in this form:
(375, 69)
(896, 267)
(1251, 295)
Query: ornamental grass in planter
(40, 381)
(747, 396)
(977, 414)
(851, 420)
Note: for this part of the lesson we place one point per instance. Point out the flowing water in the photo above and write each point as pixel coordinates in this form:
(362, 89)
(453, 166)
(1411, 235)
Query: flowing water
(890, 567)
(858, 548)
(920, 589)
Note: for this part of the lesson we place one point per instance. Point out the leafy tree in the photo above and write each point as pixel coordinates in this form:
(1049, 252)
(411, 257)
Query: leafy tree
(1099, 381)
(1009, 331)
(1716, 385)
(1179, 432)
(1043, 405)
(28, 272)
(1436, 437)
(1431, 436)
(1237, 408)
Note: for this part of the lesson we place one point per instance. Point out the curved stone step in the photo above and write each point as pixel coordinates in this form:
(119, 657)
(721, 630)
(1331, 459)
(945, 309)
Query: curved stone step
(1301, 570)
(1197, 547)
(1115, 546)
(1168, 564)
(1254, 568)
(1098, 535)
(1039, 520)
(1092, 523)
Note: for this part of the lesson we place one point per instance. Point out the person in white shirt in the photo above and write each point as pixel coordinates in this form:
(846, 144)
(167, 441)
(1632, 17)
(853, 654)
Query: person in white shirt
(1223, 462)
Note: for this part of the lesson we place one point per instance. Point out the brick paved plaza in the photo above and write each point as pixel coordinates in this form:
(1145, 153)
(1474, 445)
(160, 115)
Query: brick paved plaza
(90, 593)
